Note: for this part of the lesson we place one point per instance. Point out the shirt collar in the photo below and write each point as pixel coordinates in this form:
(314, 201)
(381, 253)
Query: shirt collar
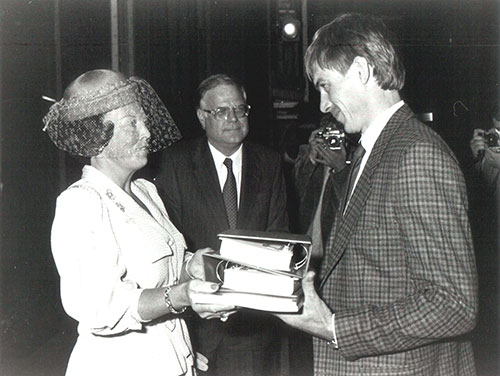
(220, 157)
(370, 136)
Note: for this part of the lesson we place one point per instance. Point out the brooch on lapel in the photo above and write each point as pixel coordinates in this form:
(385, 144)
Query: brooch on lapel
(112, 197)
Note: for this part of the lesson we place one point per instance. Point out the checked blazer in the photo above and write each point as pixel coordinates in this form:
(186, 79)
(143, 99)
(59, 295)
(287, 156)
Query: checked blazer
(189, 187)
(400, 271)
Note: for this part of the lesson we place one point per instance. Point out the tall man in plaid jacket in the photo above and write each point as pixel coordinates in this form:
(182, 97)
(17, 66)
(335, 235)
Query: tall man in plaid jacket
(398, 288)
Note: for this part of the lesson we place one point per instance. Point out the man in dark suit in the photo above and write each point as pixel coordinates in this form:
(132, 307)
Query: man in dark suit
(205, 196)
(399, 286)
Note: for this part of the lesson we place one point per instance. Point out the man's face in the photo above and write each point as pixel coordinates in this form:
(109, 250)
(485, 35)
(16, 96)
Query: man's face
(343, 97)
(225, 135)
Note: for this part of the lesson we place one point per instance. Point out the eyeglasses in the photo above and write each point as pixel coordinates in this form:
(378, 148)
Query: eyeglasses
(222, 113)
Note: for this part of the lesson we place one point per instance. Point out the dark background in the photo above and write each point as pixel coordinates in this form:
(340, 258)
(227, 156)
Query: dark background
(450, 50)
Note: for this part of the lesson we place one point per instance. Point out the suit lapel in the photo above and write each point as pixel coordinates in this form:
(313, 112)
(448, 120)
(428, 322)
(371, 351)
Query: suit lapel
(347, 223)
(250, 181)
(208, 182)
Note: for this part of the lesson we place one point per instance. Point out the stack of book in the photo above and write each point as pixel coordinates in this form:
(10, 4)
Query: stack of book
(258, 270)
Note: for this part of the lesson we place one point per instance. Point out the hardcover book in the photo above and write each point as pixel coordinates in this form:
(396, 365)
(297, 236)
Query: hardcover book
(258, 270)
(260, 302)
(274, 252)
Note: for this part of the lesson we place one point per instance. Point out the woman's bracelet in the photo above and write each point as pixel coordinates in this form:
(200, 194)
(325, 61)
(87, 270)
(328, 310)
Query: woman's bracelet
(169, 304)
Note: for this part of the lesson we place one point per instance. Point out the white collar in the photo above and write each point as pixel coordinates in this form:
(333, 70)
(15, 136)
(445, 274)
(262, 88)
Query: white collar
(220, 157)
(370, 136)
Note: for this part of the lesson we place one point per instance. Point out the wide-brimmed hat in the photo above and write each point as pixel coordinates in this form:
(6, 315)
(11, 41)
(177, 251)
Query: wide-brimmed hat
(75, 124)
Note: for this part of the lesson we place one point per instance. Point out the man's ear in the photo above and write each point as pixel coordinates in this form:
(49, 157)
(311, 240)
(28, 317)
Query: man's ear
(201, 117)
(363, 69)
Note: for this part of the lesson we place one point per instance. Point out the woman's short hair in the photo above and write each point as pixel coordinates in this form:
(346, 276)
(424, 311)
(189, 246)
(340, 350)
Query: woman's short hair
(216, 80)
(336, 44)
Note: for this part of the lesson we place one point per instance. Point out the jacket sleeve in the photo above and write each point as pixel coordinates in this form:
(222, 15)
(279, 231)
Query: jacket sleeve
(94, 288)
(431, 214)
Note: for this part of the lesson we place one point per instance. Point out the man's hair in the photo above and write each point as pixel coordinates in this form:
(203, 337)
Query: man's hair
(336, 44)
(217, 80)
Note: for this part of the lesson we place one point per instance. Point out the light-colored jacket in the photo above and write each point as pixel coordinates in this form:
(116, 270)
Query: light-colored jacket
(107, 250)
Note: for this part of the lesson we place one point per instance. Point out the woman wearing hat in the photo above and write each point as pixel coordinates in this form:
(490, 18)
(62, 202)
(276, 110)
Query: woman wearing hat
(125, 276)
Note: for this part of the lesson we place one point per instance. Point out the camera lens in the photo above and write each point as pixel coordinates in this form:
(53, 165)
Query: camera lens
(334, 142)
(491, 139)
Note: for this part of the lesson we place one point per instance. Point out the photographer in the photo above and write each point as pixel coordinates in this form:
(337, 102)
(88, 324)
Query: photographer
(485, 147)
(485, 196)
(319, 176)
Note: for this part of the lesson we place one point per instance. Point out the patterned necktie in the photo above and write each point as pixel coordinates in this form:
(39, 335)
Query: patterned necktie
(230, 195)
(356, 163)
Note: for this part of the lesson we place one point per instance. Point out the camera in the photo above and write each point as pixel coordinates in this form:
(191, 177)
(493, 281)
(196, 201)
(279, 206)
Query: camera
(334, 138)
(491, 138)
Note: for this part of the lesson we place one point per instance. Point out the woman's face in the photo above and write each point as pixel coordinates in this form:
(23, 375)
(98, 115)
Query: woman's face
(129, 145)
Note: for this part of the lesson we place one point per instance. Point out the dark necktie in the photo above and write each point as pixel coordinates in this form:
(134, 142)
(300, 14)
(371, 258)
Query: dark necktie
(355, 164)
(230, 195)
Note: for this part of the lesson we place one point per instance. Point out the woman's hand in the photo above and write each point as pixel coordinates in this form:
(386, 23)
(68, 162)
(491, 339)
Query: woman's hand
(195, 289)
(195, 266)
(201, 362)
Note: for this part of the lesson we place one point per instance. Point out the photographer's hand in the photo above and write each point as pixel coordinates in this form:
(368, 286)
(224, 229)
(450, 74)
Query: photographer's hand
(321, 153)
(313, 142)
(477, 143)
(334, 159)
